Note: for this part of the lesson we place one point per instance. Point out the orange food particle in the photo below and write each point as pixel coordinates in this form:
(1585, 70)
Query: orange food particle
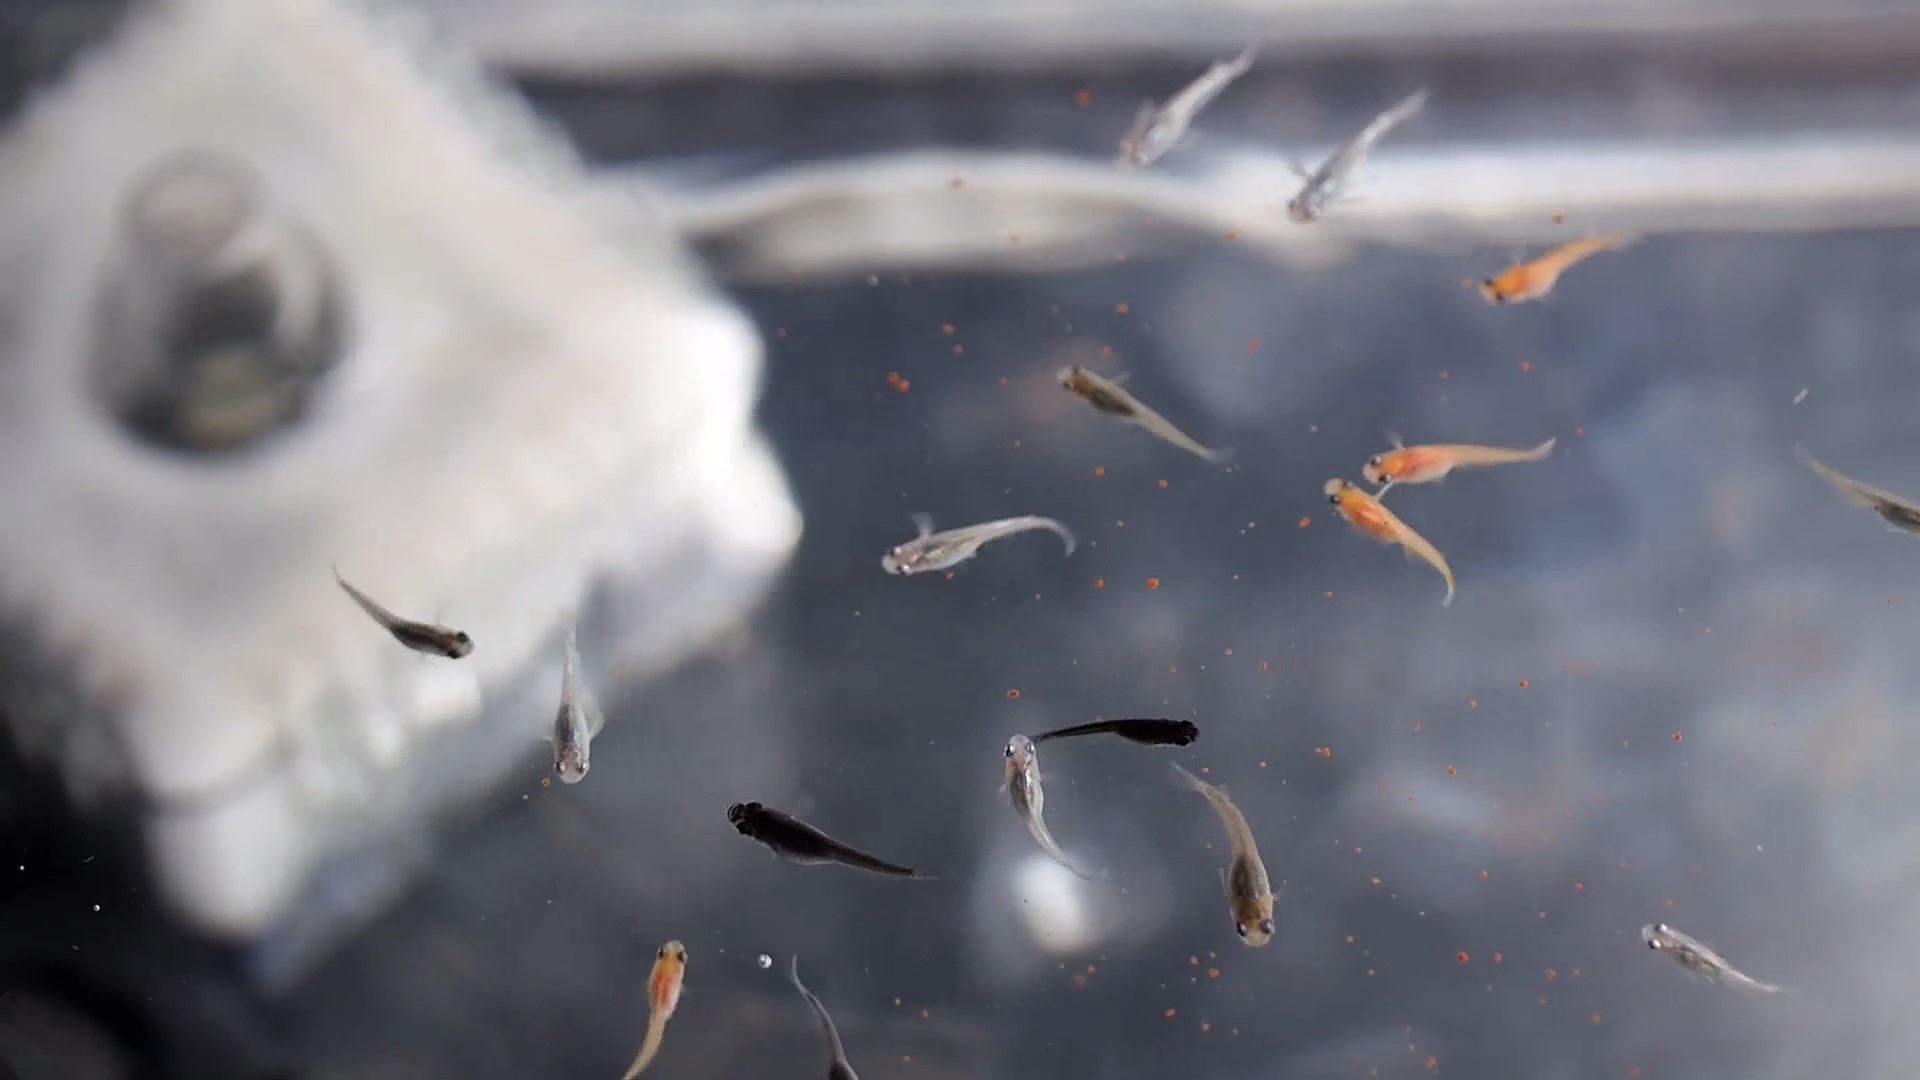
(1417, 726)
(1561, 219)
(1523, 684)
(1081, 97)
(1121, 309)
(1305, 521)
(1497, 958)
(1153, 583)
(1323, 751)
(1263, 665)
(1169, 1014)
(1450, 770)
(1229, 650)
(1106, 351)
(1578, 887)
(946, 328)
(1526, 366)
(1253, 345)
(1596, 1018)
(1213, 973)
(1205, 1027)
(1163, 485)
(1676, 736)
(1580, 431)
(546, 781)
(1013, 693)
(1079, 982)
(1099, 470)
(1461, 957)
(1432, 1062)
(1483, 875)
(1552, 974)
(955, 183)
(1233, 234)
(1099, 583)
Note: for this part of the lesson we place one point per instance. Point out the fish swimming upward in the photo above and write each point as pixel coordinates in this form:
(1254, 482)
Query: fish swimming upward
(1108, 396)
(1698, 959)
(1030, 799)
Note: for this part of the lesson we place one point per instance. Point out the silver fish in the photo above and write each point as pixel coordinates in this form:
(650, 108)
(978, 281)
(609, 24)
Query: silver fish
(838, 1069)
(575, 723)
(1902, 514)
(943, 550)
(1697, 958)
(1249, 892)
(1030, 800)
(1158, 130)
(1324, 184)
(418, 636)
(1107, 396)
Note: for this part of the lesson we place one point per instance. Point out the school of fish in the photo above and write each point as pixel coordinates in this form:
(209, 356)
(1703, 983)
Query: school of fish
(1244, 881)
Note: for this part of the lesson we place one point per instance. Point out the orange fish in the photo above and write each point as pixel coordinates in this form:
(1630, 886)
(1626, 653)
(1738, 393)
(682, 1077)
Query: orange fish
(1424, 464)
(1535, 278)
(1365, 513)
(663, 996)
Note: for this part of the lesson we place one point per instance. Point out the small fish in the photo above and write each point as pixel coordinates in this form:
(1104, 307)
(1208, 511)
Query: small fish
(1155, 131)
(1249, 893)
(418, 636)
(1367, 514)
(1146, 732)
(1424, 464)
(1697, 958)
(839, 1069)
(1535, 278)
(663, 996)
(576, 724)
(944, 550)
(1324, 184)
(1107, 396)
(1902, 514)
(1030, 800)
(796, 841)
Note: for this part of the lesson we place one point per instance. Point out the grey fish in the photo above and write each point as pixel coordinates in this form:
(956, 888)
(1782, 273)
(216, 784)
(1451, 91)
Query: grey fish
(1697, 958)
(1030, 800)
(1902, 514)
(1147, 731)
(838, 1069)
(418, 636)
(576, 723)
(1107, 396)
(944, 550)
(1158, 130)
(798, 842)
(1324, 184)
(1249, 892)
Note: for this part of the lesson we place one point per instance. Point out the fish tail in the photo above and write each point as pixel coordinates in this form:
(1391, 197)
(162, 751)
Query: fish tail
(1190, 781)
(1219, 456)
(1244, 62)
(1407, 107)
(1539, 453)
(1419, 545)
(656, 1031)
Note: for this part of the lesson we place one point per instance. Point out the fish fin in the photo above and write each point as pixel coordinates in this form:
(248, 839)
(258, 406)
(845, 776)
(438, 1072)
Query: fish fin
(923, 522)
(1394, 438)
(596, 722)
(1546, 448)
(1226, 890)
(1220, 456)
(1119, 378)
(1187, 779)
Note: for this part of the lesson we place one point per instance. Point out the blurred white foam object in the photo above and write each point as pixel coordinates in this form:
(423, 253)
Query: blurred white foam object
(510, 411)
(1054, 906)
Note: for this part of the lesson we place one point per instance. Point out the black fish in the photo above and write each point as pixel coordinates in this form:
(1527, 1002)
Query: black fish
(796, 841)
(1146, 732)
(418, 636)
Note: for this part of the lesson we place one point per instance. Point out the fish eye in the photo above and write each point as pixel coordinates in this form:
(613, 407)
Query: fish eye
(1266, 926)
(1240, 928)
(1654, 944)
(1374, 461)
(1334, 498)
